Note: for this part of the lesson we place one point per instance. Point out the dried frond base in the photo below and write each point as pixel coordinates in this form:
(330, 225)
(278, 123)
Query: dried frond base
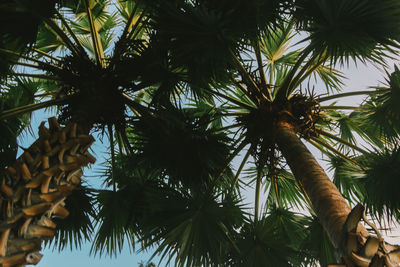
(34, 190)
(366, 251)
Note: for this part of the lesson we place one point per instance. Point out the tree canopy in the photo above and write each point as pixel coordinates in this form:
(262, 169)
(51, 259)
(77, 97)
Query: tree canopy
(202, 102)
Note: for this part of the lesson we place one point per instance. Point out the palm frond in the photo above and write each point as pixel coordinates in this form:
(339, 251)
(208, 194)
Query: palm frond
(280, 187)
(16, 94)
(348, 178)
(382, 109)
(196, 229)
(20, 21)
(317, 247)
(189, 32)
(113, 224)
(261, 245)
(177, 142)
(77, 227)
(347, 29)
(381, 180)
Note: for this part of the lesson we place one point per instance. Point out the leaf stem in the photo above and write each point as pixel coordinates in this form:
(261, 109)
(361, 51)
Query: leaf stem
(64, 22)
(26, 64)
(299, 79)
(134, 27)
(231, 99)
(341, 141)
(285, 88)
(242, 164)
(58, 31)
(231, 157)
(245, 75)
(45, 54)
(257, 195)
(110, 133)
(31, 107)
(39, 76)
(12, 53)
(315, 141)
(341, 107)
(142, 110)
(98, 49)
(261, 70)
(326, 98)
(129, 23)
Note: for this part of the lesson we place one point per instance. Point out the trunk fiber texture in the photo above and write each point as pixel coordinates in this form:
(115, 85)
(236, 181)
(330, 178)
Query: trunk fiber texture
(328, 203)
(34, 189)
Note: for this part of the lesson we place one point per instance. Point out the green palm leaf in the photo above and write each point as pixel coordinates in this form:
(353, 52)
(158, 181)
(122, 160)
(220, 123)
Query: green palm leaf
(77, 227)
(317, 247)
(350, 28)
(261, 245)
(189, 32)
(16, 94)
(382, 109)
(112, 222)
(280, 187)
(196, 229)
(181, 144)
(348, 179)
(48, 41)
(381, 178)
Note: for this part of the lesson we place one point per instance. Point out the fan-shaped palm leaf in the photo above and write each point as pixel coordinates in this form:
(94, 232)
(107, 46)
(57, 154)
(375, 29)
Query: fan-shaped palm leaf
(381, 174)
(349, 28)
(182, 144)
(194, 228)
(317, 247)
(348, 179)
(382, 109)
(260, 245)
(11, 97)
(77, 227)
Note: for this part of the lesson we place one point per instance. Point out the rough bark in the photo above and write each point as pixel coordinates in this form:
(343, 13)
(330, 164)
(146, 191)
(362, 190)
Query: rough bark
(348, 235)
(328, 203)
(34, 190)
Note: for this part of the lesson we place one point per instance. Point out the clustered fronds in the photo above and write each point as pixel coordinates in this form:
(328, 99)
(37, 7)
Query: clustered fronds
(188, 88)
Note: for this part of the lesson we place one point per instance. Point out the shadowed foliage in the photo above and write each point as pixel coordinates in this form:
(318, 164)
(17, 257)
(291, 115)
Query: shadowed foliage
(205, 106)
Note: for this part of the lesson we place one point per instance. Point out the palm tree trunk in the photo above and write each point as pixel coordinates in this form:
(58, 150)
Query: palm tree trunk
(328, 203)
(35, 188)
(357, 248)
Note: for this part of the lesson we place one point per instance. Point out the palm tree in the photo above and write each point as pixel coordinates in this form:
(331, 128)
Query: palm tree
(203, 82)
(69, 64)
(256, 90)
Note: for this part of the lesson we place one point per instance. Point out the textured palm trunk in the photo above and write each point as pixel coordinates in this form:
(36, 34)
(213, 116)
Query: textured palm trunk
(356, 245)
(328, 203)
(34, 190)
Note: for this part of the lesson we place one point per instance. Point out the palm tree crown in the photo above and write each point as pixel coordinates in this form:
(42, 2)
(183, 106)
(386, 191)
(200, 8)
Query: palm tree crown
(184, 89)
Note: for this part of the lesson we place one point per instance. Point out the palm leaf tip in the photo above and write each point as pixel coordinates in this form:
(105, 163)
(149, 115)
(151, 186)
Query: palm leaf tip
(77, 227)
(261, 245)
(114, 227)
(382, 109)
(382, 174)
(350, 28)
(196, 229)
(183, 145)
(348, 178)
(317, 247)
(21, 19)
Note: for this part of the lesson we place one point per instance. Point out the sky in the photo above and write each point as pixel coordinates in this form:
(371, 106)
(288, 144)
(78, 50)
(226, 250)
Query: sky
(360, 77)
